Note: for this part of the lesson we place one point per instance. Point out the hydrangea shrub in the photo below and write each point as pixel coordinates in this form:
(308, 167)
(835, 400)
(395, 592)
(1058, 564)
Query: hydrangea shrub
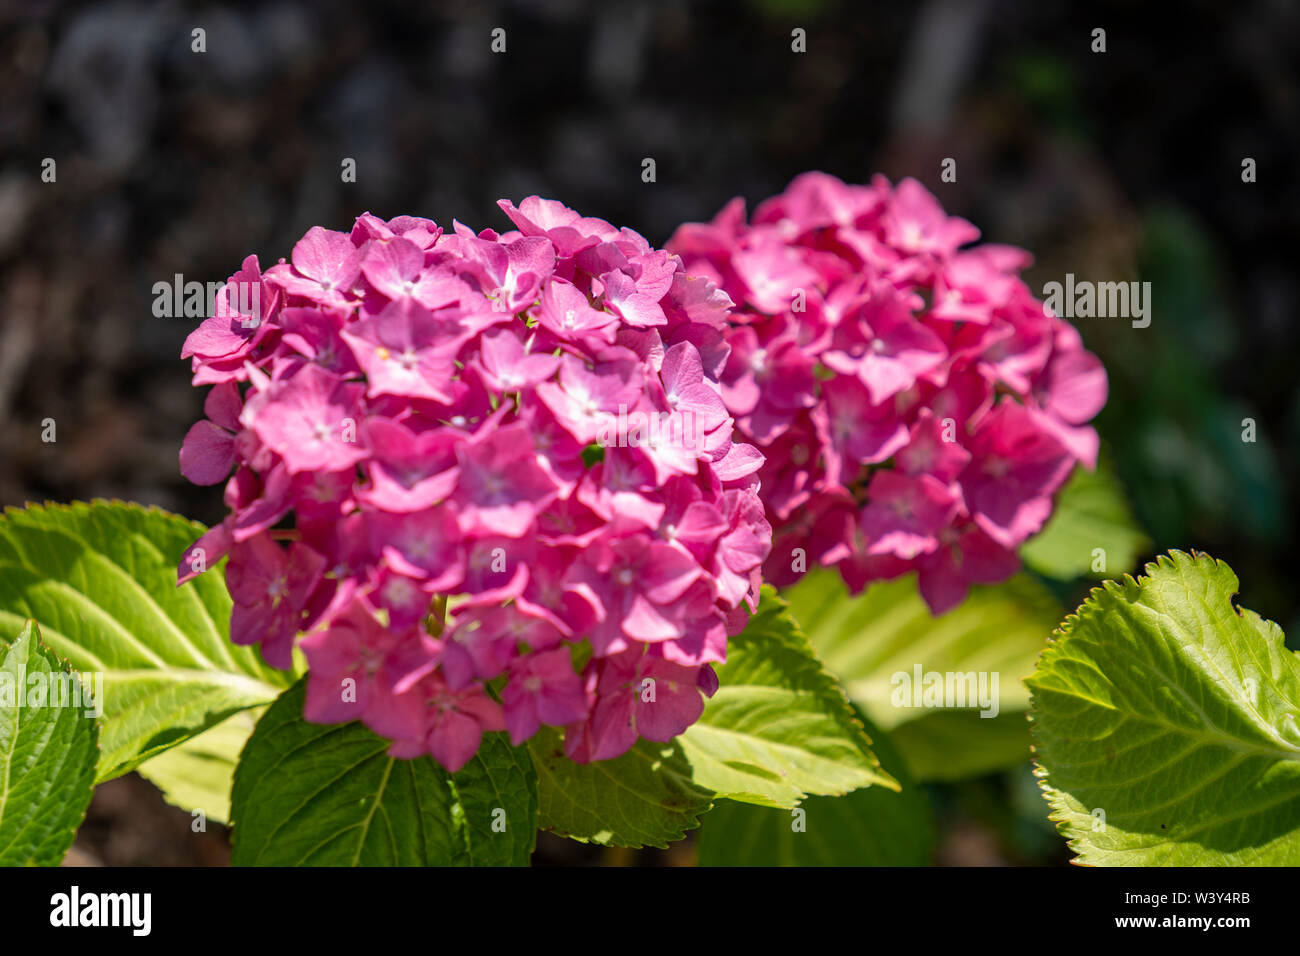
(500, 512)
(918, 407)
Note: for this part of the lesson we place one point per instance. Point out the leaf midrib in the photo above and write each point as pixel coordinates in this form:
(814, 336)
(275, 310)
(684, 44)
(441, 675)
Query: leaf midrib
(1222, 738)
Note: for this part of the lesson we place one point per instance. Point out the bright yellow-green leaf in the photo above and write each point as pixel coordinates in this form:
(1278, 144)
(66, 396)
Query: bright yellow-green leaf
(48, 747)
(100, 579)
(1167, 724)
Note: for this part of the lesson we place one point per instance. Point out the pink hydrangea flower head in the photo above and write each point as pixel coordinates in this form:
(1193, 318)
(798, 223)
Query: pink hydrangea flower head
(457, 463)
(917, 407)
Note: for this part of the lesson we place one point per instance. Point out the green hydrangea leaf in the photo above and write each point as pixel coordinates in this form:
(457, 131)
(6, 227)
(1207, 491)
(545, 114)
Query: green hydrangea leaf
(100, 578)
(779, 727)
(48, 748)
(644, 798)
(873, 826)
(329, 795)
(1165, 721)
(197, 775)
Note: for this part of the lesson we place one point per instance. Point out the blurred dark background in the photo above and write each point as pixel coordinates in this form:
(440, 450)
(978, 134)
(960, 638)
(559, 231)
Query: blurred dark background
(1115, 166)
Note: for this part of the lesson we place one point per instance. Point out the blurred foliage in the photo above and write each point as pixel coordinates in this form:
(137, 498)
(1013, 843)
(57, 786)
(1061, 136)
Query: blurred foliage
(1179, 437)
(875, 642)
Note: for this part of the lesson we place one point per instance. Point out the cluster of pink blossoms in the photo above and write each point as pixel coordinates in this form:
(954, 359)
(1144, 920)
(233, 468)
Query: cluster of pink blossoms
(515, 497)
(917, 406)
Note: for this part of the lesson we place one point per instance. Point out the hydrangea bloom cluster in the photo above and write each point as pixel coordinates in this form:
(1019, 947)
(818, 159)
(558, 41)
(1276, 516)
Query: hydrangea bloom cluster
(917, 406)
(514, 493)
